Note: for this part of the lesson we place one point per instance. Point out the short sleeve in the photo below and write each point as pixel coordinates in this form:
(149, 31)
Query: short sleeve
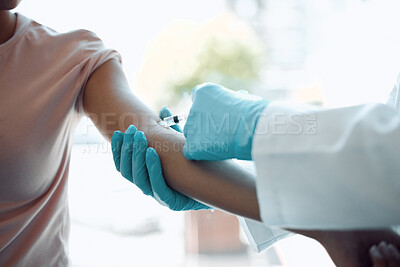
(94, 54)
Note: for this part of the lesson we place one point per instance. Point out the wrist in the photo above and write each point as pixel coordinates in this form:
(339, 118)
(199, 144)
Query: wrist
(247, 128)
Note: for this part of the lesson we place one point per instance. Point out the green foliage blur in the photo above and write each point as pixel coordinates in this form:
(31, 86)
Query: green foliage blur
(223, 50)
(231, 63)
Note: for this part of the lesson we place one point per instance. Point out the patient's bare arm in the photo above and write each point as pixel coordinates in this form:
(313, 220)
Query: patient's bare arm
(112, 106)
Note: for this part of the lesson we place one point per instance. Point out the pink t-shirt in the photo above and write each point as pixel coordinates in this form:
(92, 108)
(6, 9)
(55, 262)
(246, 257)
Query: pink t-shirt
(42, 76)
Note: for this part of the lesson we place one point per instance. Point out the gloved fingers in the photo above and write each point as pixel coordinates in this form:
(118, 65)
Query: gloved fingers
(116, 144)
(160, 189)
(195, 205)
(165, 112)
(177, 128)
(126, 153)
(139, 169)
(162, 192)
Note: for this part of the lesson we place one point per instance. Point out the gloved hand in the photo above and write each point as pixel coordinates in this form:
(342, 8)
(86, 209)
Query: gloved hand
(141, 166)
(221, 123)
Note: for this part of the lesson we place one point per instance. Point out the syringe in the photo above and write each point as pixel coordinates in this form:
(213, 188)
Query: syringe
(172, 120)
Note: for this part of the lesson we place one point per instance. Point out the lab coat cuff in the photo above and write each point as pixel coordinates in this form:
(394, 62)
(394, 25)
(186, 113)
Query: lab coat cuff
(262, 237)
(268, 198)
(274, 124)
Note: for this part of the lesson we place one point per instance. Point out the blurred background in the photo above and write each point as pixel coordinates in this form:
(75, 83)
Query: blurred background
(325, 52)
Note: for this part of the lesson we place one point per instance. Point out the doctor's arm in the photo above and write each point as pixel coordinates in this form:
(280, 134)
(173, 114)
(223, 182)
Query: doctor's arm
(316, 168)
(112, 106)
(341, 174)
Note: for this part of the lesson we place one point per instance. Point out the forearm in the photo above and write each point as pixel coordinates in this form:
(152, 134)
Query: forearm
(221, 184)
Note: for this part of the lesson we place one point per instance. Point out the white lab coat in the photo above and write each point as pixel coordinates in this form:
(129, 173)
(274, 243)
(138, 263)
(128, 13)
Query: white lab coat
(327, 168)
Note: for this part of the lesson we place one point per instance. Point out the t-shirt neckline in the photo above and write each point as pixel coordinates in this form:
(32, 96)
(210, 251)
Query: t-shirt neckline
(20, 28)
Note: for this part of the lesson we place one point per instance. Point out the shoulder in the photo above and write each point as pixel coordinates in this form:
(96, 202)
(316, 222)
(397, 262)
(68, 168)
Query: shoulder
(83, 38)
(78, 41)
(80, 49)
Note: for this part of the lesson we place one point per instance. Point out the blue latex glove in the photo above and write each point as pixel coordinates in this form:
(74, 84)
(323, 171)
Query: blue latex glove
(221, 123)
(142, 166)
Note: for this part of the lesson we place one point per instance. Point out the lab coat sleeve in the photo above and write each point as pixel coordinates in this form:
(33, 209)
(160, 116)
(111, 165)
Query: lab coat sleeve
(329, 168)
(261, 237)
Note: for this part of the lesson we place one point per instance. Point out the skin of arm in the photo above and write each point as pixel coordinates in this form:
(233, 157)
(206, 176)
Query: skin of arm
(112, 106)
